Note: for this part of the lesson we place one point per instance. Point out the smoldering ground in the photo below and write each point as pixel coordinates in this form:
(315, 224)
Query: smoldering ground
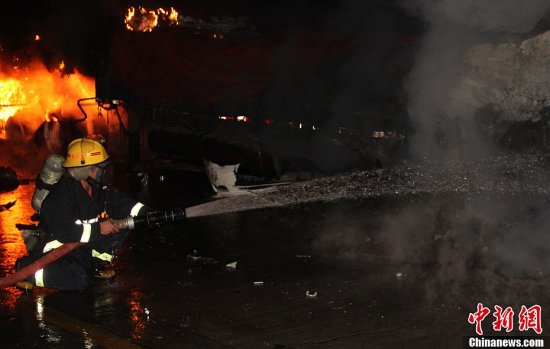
(460, 243)
(458, 229)
(463, 246)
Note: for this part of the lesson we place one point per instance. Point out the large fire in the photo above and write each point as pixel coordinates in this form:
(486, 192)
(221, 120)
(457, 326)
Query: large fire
(33, 93)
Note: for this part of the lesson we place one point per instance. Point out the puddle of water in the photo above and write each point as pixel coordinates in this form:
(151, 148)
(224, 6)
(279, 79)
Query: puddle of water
(11, 242)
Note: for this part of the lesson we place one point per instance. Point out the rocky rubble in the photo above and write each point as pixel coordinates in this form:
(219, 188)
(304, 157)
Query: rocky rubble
(503, 174)
(512, 77)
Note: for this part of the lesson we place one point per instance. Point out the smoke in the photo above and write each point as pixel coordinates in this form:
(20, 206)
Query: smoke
(452, 27)
(349, 242)
(495, 248)
(453, 248)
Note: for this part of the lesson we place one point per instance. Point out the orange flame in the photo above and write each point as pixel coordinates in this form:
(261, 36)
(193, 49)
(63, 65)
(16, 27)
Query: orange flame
(145, 20)
(12, 98)
(173, 16)
(33, 92)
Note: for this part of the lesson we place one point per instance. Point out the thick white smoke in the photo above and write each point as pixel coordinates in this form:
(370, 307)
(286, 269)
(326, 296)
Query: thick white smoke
(452, 26)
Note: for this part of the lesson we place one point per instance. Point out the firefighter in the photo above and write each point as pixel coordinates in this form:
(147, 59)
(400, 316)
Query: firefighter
(80, 208)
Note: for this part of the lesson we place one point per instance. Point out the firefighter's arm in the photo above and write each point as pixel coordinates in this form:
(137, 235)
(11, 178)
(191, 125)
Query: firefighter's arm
(122, 206)
(61, 222)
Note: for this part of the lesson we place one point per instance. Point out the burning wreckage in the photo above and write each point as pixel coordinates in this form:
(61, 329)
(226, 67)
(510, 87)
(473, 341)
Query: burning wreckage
(251, 107)
(217, 93)
(206, 93)
(269, 107)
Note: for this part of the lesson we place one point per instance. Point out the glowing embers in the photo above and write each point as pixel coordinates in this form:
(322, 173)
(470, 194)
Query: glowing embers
(145, 20)
(270, 122)
(240, 118)
(30, 94)
(141, 19)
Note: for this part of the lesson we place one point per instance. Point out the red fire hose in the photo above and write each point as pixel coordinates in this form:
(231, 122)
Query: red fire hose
(39, 264)
(152, 219)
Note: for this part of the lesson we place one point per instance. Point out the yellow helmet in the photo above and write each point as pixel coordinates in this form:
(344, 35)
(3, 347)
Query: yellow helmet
(85, 152)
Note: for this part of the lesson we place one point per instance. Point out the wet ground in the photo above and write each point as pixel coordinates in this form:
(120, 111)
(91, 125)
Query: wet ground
(378, 267)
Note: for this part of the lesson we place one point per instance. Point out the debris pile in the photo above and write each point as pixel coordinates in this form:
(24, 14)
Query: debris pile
(503, 174)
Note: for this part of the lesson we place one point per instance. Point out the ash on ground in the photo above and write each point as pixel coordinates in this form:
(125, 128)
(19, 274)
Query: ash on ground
(504, 174)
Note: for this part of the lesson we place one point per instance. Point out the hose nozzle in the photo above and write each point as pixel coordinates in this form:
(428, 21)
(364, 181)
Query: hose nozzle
(152, 219)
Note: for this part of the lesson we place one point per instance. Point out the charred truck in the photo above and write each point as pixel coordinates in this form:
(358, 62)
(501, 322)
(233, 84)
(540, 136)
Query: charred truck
(263, 105)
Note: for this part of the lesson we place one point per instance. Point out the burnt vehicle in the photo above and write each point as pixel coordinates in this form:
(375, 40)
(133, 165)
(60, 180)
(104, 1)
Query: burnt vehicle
(271, 104)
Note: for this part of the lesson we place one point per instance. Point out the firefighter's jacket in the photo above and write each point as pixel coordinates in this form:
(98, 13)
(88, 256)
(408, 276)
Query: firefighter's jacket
(69, 214)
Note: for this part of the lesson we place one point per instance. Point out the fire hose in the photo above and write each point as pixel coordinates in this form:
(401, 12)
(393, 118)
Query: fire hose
(152, 219)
